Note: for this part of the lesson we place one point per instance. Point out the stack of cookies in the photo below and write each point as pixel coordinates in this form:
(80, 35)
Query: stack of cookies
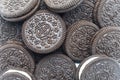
(60, 40)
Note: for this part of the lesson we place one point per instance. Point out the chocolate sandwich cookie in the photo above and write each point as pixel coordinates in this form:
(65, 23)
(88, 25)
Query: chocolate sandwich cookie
(21, 44)
(16, 74)
(20, 13)
(108, 13)
(14, 55)
(55, 67)
(61, 6)
(107, 41)
(15, 8)
(98, 68)
(44, 32)
(9, 31)
(83, 12)
(77, 44)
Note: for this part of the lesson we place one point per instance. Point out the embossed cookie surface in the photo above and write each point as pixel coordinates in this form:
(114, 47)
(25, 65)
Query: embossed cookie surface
(108, 13)
(107, 41)
(77, 44)
(83, 12)
(55, 67)
(9, 31)
(98, 68)
(44, 32)
(15, 8)
(16, 74)
(12, 55)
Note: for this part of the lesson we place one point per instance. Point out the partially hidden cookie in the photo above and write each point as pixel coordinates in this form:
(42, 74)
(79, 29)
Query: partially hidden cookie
(61, 6)
(55, 67)
(108, 13)
(44, 32)
(14, 55)
(95, 15)
(20, 13)
(98, 68)
(107, 41)
(77, 44)
(83, 12)
(15, 8)
(16, 74)
(9, 31)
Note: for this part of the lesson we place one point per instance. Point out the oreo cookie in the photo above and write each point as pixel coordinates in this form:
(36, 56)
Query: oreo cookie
(77, 44)
(14, 55)
(98, 68)
(83, 12)
(9, 31)
(106, 41)
(61, 6)
(55, 67)
(44, 32)
(16, 74)
(18, 10)
(108, 13)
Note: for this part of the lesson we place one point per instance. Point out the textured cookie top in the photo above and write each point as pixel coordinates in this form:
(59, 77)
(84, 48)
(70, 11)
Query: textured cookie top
(15, 8)
(55, 67)
(98, 68)
(61, 4)
(107, 41)
(16, 74)
(108, 13)
(83, 12)
(44, 32)
(77, 44)
(13, 55)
